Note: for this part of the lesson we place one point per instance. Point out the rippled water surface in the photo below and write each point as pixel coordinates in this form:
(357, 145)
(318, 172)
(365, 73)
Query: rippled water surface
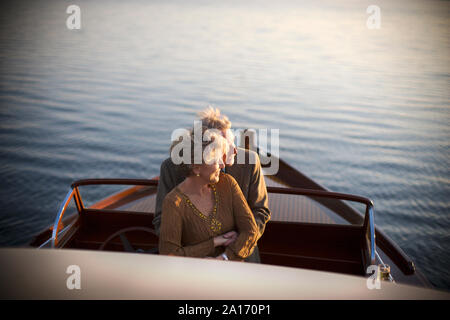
(360, 111)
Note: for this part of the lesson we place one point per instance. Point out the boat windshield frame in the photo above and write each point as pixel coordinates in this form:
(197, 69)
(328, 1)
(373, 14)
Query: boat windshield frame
(74, 192)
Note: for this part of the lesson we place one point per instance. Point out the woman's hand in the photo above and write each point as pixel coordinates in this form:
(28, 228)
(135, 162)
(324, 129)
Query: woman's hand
(225, 239)
(231, 236)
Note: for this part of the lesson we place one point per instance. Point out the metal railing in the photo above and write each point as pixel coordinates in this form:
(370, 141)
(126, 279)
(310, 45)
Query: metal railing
(59, 216)
(372, 233)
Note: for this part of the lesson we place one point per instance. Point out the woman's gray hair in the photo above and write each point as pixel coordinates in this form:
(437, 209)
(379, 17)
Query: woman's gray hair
(213, 143)
(212, 119)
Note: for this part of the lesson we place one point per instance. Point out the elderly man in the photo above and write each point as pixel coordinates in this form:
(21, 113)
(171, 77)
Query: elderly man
(248, 175)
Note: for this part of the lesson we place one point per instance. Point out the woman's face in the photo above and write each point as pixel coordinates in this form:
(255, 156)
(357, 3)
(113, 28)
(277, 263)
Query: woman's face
(214, 157)
(210, 172)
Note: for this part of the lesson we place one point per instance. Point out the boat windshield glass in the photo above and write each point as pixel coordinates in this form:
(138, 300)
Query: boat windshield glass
(119, 197)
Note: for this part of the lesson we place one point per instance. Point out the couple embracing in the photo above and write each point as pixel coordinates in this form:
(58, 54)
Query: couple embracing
(211, 207)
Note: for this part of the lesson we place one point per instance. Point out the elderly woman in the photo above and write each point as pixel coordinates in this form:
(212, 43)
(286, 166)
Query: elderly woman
(207, 215)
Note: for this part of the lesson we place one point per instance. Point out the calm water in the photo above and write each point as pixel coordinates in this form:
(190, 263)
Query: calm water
(359, 111)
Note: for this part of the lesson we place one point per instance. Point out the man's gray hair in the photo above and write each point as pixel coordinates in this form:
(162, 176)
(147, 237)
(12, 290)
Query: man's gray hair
(212, 119)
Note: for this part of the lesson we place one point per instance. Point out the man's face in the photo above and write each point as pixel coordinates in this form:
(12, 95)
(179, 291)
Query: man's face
(232, 151)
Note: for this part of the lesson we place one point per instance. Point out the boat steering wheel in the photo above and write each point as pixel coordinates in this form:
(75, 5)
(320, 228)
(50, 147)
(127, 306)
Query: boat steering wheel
(126, 244)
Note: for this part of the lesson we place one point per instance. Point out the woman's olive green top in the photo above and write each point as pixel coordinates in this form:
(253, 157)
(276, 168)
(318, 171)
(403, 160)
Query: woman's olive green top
(185, 231)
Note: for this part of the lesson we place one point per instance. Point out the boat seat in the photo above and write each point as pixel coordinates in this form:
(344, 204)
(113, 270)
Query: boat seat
(98, 225)
(326, 247)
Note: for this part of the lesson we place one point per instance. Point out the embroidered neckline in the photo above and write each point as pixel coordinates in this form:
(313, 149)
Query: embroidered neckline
(215, 225)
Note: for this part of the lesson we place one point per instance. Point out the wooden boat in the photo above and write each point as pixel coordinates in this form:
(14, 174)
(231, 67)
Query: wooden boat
(310, 228)
(28, 273)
